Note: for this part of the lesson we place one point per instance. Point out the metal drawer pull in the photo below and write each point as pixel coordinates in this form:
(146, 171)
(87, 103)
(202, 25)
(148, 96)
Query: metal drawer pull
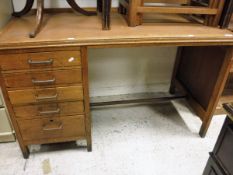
(57, 111)
(43, 81)
(47, 97)
(47, 128)
(49, 61)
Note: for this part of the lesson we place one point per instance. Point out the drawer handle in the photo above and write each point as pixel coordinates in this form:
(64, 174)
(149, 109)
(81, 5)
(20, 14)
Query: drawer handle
(43, 81)
(48, 62)
(49, 128)
(57, 111)
(47, 97)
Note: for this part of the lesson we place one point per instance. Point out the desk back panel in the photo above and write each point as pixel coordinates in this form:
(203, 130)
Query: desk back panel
(199, 70)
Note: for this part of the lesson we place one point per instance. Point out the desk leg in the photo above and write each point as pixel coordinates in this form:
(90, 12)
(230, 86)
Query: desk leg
(23, 147)
(86, 97)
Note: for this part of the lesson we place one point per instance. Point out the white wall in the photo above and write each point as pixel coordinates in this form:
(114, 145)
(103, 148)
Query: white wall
(124, 70)
(127, 70)
(5, 12)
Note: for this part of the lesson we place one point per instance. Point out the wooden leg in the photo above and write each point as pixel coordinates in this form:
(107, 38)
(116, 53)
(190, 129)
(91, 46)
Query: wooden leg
(39, 18)
(217, 17)
(99, 5)
(106, 9)
(134, 18)
(76, 7)
(204, 128)
(89, 143)
(10, 109)
(86, 97)
(25, 10)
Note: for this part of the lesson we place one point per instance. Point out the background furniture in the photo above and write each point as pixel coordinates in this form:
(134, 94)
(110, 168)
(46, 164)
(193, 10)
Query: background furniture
(134, 9)
(226, 14)
(104, 7)
(37, 75)
(220, 161)
(40, 13)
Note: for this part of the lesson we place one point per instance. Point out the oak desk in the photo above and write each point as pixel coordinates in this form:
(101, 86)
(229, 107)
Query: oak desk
(45, 79)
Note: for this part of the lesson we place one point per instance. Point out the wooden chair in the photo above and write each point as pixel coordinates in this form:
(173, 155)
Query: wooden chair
(210, 9)
(72, 3)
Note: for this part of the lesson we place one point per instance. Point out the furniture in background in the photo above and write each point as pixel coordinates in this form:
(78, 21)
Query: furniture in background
(226, 14)
(104, 7)
(6, 131)
(220, 160)
(40, 13)
(209, 10)
(45, 80)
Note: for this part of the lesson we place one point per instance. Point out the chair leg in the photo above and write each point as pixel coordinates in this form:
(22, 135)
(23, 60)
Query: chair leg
(99, 5)
(25, 10)
(39, 18)
(76, 7)
(134, 19)
(106, 10)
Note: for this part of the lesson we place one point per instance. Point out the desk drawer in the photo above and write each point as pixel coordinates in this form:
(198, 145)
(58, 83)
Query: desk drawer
(69, 93)
(52, 127)
(49, 109)
(43, 78)
(40, 60)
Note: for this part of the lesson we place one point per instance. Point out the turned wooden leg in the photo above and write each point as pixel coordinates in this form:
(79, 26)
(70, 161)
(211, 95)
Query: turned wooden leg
(25, 10)
(106, 9)
(39, 18)
(76, 7)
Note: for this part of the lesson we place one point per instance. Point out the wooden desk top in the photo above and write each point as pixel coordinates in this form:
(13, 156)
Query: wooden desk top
(68, 29)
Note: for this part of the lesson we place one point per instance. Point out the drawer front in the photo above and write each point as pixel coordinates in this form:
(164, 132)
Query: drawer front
(43, 78)
(69, 93)
(49, 109)
(40, 60)
(53, 127)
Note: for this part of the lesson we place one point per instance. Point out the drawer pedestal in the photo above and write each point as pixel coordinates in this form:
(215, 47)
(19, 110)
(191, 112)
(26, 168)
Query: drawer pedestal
(47, 96)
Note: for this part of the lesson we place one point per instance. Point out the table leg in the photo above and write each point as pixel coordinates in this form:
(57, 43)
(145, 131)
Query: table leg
(76, 7)
(25, 10)
(39, 18)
